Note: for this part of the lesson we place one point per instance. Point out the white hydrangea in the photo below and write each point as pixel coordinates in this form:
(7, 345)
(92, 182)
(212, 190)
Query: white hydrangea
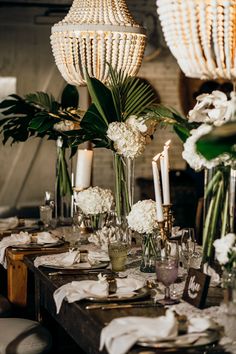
(137, 123)
(127, 140)
(94, 200)
(223, 247)
(190, 154)
(213, 108)
(142, 217)
(64, 126)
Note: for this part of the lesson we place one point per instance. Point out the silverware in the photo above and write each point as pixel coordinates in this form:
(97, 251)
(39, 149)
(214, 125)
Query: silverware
(122, 306)
(80, 272)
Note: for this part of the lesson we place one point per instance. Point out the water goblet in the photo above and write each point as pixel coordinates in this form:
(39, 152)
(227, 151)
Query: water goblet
(45, 212)
(167, 273)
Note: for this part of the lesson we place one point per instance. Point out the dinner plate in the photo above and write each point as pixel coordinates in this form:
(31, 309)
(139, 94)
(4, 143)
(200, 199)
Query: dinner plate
(184, 341)
(78, 266)
(138, 294)
(34, 245)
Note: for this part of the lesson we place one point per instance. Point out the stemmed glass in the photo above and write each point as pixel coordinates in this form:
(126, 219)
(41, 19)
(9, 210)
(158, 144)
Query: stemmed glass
(188, 245)
(167, 273)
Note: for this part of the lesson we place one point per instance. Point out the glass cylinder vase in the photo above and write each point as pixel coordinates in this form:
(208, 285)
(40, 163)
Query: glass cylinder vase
(219, 207)
(63, 189)
(124, 185)
(149, 253)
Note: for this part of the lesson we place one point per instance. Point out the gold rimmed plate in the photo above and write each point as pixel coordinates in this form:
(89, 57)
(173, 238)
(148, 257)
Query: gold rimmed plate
(137, 294)
(185, 341)
(35, 246)
(78, 266)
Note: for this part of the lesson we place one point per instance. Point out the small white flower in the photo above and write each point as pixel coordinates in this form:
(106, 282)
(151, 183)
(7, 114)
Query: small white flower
(223, 247)
(94, 200)
(142, 217)
(137, 123)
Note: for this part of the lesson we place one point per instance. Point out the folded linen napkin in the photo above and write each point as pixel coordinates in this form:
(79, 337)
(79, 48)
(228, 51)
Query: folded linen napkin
(65, 259)
(78, 290)
(95, 257)
(122, 333)
(8, 223)
(45, 237)
(200, 324)
(13, 240)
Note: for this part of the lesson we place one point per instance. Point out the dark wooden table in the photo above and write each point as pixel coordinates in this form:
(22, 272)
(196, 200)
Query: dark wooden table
(83, 325)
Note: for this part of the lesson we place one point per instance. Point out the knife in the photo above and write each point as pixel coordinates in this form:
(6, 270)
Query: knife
(80, 272)
(122, 306)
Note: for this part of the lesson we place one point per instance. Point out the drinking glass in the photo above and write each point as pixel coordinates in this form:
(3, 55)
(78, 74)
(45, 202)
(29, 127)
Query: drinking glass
(188, 245)
(45, 212)
(167, 273)
(118, 255)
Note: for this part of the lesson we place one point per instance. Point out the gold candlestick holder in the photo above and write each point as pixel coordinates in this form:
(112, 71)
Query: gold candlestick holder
(168, 218)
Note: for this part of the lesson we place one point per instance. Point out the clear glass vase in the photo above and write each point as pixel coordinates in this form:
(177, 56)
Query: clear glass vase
(229, 285)
(219, 206)
(63, 188)
(124, 185)
(150, 252)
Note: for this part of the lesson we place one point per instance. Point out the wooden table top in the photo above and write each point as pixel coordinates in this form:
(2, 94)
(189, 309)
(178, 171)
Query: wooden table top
(85, 326)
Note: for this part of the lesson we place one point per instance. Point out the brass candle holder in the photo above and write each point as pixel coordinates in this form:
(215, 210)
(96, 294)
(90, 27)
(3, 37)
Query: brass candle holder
(168, 218)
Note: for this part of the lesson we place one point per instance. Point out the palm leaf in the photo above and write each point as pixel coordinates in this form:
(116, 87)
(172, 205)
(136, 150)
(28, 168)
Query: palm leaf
(70, 97)
(41, 99)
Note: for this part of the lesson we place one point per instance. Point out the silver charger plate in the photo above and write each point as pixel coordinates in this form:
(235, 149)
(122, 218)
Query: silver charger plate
(138, 294)
(182, 341)
(78, 266)
(34, 245)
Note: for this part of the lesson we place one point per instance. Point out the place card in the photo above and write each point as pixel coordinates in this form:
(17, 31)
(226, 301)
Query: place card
(196, 288)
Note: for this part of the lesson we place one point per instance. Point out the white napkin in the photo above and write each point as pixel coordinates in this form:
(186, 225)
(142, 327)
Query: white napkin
(215, 278)
(45, 237)
(200, 324)
(122, 333)
(95, 257)
(15, 239)
(8, 223)
(65, 259)
(78, 290)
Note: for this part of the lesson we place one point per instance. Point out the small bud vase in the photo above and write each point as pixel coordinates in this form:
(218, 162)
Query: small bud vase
(149, 253)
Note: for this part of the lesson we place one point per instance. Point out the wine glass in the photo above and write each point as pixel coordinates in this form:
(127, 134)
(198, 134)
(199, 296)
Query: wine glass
(188, 245)
(167, 273)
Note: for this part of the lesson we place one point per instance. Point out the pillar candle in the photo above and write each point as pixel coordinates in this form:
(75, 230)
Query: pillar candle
(157, 189)
(83, 169)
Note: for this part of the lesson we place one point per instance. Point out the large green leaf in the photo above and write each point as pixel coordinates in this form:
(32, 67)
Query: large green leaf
(70, 97)
(219, 141)
(41, 99)
(102, 99)
(93, 122)
(182, 132)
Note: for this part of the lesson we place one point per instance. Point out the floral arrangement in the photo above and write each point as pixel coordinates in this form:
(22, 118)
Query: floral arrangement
(209, 123)
(142, 217)
(225, 250)
(94, 200)
(40, 115)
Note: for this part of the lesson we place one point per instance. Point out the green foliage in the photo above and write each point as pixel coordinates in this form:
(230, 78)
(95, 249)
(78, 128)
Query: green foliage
(219, 141)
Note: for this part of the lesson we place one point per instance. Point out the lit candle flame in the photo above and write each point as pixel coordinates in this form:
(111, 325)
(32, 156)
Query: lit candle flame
(167, 143)
(156, 157)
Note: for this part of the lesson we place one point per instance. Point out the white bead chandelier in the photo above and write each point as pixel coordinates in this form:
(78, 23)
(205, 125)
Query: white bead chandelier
(93, 33)
(201, 34)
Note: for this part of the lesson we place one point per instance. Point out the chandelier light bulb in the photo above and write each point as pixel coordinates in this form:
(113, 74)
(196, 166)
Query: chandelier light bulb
(201, 34)
(93, 33)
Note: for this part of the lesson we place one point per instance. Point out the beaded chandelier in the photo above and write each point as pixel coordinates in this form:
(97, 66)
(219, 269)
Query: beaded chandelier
(201, 35)
(93, 33)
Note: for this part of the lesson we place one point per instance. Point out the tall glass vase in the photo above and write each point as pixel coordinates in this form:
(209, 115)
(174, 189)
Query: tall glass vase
(124, 185)
(219, 207)
(63, 189)
(150, 251)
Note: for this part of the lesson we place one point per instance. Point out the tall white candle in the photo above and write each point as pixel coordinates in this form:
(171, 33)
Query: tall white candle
(72, 197)
(165, 174)
(83, 169)
(157, 189)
